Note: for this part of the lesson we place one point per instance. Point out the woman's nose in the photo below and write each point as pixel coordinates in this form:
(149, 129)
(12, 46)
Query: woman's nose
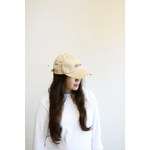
(77, 80)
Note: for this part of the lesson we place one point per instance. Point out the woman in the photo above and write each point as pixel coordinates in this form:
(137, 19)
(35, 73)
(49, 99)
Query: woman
(67, 117)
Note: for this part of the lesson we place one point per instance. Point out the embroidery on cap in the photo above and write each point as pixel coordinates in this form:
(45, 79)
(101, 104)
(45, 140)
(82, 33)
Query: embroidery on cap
(77, 65)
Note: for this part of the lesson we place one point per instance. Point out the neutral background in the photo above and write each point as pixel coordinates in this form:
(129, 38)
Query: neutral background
(93, 31)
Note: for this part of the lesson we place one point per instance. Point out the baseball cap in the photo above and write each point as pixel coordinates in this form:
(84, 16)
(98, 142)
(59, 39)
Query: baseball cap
(69, 65)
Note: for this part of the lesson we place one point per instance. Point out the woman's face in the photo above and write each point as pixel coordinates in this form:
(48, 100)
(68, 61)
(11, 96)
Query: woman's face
(71, 84)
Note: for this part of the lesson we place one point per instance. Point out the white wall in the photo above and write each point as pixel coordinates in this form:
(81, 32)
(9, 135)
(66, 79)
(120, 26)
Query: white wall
(93, 31)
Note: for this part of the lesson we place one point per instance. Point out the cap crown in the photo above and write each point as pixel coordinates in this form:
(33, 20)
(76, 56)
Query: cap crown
(66, 63)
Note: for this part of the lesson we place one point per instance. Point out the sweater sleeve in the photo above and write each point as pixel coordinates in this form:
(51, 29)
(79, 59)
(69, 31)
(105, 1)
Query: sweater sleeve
(40, 127)
(96, 133)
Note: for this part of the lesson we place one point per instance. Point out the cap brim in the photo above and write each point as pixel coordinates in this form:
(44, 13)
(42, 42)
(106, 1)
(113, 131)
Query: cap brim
(79, 74)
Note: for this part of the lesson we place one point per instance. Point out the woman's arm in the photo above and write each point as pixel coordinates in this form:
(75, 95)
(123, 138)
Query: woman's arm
(40, 127)
(96, 131)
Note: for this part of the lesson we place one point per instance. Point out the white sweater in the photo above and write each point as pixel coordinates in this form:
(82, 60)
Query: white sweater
(73, 137)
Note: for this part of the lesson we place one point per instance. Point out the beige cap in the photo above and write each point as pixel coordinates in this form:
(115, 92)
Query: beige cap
(69, 65)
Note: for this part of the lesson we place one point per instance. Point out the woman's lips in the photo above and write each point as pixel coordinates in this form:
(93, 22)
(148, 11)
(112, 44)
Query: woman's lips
(76, 85)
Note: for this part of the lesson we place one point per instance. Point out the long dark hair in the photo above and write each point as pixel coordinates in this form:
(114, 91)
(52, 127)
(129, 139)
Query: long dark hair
(56, 100)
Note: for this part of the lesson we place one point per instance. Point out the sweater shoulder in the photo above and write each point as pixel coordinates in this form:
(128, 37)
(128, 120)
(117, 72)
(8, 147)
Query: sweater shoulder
(45, 101)
(88, 92)
(89, 96)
